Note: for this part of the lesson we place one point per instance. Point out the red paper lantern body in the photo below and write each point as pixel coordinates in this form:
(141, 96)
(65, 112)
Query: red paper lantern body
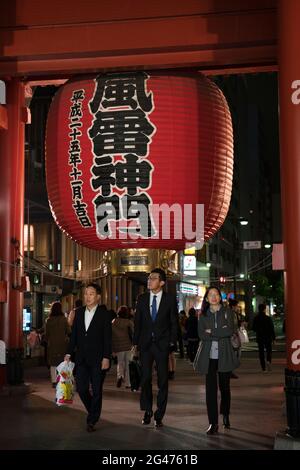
(118, 140)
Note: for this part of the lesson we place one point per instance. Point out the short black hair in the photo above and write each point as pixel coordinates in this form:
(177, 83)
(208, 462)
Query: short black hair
(161, 273)
(94, 286)
(205, 303)
(232, 303)
(262, 308)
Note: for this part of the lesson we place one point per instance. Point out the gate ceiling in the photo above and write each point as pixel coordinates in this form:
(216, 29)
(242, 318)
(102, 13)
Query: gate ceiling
(69, 37)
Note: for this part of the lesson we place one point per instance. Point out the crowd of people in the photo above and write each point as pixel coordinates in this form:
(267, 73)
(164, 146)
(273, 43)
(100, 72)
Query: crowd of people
(95, 338)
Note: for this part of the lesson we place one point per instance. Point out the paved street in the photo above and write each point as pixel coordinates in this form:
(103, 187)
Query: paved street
(257, 413)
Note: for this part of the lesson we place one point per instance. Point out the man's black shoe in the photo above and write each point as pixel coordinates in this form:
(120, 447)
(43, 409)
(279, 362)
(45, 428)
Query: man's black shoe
(90, 428)
(147, 417)
(158, 423)
(212, 429)
(226, 422)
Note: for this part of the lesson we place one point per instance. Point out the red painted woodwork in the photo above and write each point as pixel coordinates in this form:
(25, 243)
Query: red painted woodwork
(3, 117)
(26, 13)
(12, 210)
(3, 291)
(191, 152)
(289, 72)
(98, 35)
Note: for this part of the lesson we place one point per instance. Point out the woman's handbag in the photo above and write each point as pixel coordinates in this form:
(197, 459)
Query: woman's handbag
(243, 335)
(235, 340)
(196, 363)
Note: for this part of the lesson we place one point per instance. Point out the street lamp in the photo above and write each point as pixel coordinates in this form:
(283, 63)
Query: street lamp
(236, 246)
(236, 221)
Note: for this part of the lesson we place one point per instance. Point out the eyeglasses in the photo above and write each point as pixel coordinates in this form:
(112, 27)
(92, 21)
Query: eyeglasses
(152, 278)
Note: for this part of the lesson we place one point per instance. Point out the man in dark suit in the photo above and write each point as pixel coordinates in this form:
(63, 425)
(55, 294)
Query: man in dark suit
(91, 339)
(155, 335)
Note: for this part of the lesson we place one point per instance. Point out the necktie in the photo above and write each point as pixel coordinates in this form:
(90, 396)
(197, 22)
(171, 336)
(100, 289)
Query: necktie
(154, 308)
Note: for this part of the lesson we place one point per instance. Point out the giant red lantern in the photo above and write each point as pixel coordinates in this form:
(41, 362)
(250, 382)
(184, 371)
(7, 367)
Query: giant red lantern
(122, 148)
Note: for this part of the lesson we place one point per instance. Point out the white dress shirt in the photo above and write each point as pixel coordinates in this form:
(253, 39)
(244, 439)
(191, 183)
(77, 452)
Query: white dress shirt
(158, 299)
(88, 316)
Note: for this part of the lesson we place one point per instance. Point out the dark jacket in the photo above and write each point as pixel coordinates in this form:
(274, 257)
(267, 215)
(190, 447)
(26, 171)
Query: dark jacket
(163, 331)
(93, 345)
(228, 360)
(191, 327)
(56, 335)
(263, 327)
(122, 332)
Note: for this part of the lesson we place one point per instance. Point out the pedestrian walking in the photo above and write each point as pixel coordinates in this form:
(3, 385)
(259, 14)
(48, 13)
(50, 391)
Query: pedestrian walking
(57, 333)
(215, 357)
(91, 338)
(122, 335)
(155, 336)
(265, 335)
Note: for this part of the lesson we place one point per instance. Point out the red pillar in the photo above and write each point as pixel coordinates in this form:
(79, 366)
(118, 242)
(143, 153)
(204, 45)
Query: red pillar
(289, 83)
(11, 223)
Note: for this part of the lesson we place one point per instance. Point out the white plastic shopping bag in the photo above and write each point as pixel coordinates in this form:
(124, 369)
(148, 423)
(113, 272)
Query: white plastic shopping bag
(243, 335)
(65, 383)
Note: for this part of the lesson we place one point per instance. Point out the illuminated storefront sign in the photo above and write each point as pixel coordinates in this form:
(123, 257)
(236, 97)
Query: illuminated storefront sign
(186, 288)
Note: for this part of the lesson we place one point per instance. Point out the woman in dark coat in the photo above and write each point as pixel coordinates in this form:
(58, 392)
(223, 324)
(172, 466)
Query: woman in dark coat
(56, 335)
(122, 333)
(216, 357)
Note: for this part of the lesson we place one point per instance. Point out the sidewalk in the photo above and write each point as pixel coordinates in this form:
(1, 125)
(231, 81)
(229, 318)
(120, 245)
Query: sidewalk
(278, 346)
(257, 413)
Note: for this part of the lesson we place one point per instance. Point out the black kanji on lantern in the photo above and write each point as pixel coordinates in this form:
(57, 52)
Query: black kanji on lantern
(123, 90)
(80, 208)
(103, 171)
(76, 189)
(78, 95)
(133, 174)
(119, 132)
(121, 126)
(137, 208)
(75, 173)
(75, 123)
(74, 146)
(76, 110)
(107, 208)
(124, 207)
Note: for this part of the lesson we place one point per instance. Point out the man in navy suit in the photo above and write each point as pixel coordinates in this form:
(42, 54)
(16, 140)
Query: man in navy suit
(91, 339)
(155, 335)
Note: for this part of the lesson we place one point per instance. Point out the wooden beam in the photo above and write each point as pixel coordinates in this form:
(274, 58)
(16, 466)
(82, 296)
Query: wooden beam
(261, 68)
(27, 13)
(46, 82)
(217, 39)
